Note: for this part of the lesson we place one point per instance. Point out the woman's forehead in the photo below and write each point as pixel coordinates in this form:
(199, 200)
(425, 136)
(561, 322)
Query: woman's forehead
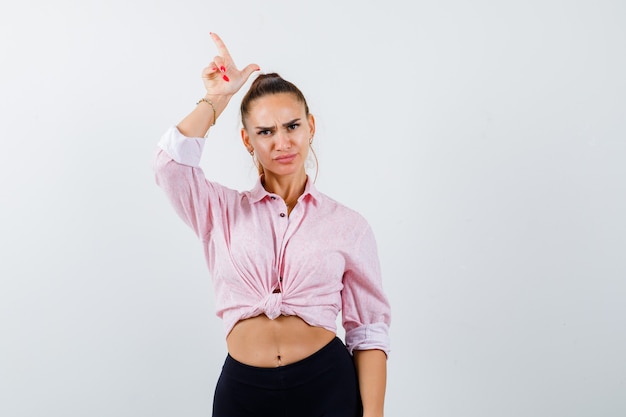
(283, 105)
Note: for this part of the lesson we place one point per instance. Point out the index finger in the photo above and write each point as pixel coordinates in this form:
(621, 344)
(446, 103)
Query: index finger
(221, 47)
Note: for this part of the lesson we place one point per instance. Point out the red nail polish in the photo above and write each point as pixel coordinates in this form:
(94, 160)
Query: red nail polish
(223, 68)
(225, 77)
(213, 69)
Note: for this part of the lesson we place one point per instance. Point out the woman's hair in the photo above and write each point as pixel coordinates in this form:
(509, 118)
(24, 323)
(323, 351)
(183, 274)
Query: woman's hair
(266, 84)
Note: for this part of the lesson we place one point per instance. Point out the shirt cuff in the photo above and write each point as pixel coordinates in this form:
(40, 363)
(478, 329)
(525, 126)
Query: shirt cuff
(369, 336)
(182, 149)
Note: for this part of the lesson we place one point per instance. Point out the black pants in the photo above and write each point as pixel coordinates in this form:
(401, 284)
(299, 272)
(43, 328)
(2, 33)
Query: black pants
(321, 385)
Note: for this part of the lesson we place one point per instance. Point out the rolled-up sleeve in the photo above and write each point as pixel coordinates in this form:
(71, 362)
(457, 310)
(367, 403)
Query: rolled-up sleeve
(177, 172)
(366, 310)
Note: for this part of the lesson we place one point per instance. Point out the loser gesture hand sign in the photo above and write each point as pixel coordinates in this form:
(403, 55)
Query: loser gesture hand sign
(222, 80)
(222, 77)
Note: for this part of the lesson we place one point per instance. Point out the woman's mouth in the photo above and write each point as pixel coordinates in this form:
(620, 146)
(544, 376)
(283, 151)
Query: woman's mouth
(285, 159)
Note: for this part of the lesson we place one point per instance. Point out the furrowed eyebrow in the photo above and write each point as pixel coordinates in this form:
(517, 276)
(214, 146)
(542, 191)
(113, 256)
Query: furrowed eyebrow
(291, 122)
(283, 125)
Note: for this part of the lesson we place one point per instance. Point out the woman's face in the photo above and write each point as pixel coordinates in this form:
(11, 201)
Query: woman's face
(278, 130)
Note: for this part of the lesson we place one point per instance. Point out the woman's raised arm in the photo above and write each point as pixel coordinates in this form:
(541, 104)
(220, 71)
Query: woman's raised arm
(221, 80)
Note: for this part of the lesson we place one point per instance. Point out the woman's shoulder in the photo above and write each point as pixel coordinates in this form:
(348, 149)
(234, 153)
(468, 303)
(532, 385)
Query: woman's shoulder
(338, 208)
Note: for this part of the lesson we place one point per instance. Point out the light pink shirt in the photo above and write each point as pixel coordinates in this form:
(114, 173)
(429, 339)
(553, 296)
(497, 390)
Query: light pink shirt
(313, 263)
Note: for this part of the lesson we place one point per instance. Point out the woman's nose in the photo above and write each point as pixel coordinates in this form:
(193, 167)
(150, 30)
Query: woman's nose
(283, 141)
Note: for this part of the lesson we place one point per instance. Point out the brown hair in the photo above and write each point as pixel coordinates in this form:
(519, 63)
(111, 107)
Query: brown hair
(265, 84)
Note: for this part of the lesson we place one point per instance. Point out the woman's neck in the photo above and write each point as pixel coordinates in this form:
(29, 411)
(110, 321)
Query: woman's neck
(290, 188)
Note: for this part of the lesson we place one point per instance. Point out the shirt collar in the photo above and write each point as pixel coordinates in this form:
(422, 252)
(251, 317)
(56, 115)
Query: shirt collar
(258, 193)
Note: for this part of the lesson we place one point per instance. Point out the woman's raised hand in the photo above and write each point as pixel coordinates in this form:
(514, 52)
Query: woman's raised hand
(222, 80)
(222, 77)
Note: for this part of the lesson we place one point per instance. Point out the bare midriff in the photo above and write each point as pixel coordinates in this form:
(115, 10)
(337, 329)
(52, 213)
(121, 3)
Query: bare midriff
(265, 343)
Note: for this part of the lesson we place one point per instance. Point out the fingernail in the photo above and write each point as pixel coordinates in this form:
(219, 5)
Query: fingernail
(225, 77)
(213, 69)
(223, 68)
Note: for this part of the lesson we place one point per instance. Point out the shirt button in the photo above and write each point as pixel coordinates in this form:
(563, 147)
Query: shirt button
(282, 214)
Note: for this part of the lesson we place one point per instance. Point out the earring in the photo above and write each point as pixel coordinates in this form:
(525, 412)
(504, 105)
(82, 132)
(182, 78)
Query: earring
(256, 163)
(315, 157)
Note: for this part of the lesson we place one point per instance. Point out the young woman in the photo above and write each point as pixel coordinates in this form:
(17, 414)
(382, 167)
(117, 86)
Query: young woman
(284, 259)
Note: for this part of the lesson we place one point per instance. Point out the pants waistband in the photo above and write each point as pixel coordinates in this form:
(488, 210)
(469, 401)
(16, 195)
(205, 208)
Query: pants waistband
(334, 353)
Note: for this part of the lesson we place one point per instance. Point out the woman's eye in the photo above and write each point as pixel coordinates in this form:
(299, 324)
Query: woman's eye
(293, 126)
(263, 132)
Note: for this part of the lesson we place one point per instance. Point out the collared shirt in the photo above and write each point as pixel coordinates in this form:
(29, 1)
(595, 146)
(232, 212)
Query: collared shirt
(312, 263)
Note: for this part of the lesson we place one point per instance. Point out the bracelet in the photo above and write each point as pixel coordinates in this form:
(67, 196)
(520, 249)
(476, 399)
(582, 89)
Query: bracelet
(206, 100)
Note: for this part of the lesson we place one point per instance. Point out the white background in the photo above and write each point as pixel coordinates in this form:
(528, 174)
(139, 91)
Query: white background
(483, 140)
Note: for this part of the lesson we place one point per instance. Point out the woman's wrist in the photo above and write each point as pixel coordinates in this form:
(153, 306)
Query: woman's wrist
(206, 113)
(219, 103)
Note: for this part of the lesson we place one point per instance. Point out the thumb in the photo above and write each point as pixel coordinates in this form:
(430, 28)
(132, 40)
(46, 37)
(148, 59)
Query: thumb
(248, 70)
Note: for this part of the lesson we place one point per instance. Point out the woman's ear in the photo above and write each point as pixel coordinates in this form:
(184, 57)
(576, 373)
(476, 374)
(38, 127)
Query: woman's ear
(311, 124)
(245, 138)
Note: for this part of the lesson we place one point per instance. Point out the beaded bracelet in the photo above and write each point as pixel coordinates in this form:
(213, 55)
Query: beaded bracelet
(206, 100)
